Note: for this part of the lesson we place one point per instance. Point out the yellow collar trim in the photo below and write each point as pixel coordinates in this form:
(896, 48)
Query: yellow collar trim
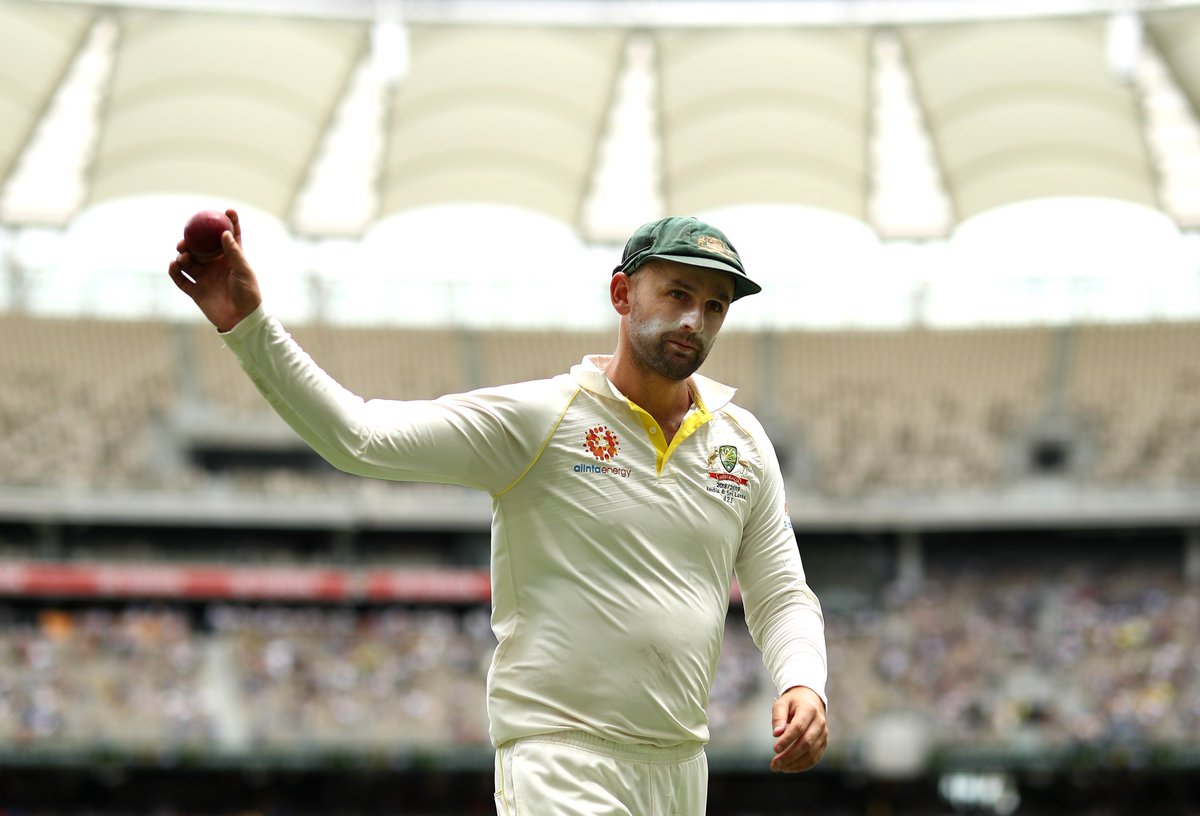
(662, 449)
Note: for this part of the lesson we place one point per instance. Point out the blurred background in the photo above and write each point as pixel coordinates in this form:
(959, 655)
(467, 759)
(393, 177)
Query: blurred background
(976, 226)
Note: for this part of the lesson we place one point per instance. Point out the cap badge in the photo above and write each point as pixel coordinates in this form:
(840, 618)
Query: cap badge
(713, 244)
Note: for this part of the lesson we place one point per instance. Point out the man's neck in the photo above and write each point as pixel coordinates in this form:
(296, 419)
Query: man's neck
(664, 399)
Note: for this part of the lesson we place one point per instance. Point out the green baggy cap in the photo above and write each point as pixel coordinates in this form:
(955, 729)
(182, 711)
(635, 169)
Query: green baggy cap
(686, 240)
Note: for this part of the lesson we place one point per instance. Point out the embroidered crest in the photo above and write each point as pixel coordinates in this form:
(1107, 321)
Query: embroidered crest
(729, 457)
(727, 484)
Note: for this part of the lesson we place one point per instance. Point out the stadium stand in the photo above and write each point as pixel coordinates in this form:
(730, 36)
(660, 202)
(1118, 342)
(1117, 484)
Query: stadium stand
(1136, 388)
(281, 643)
(911, 410)
(1016, 659)
(516, 356)
(79, 397)
(855, 413)
(402, 364)
(363, 681)
(92, 403)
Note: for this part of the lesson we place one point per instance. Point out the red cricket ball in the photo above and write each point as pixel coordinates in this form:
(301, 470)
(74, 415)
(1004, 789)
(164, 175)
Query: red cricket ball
(203, 234)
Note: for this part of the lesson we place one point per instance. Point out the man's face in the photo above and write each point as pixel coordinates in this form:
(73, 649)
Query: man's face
(675, 313)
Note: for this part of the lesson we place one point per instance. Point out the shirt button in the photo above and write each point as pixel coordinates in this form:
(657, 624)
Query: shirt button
(653, 430)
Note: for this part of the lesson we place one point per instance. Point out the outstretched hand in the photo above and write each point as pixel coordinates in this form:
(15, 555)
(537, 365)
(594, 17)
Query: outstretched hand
(225, 288)
(800, 729)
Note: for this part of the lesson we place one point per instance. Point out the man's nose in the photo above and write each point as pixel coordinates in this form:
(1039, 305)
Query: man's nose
(693, 319)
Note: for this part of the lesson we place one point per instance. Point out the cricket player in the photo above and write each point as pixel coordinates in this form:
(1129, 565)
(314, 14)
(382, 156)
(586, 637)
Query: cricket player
(626, 494)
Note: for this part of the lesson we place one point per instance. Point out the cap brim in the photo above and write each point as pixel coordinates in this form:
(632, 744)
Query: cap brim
(742, 285)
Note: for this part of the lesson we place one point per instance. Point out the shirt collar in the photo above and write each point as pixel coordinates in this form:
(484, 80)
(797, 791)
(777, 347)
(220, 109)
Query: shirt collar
(589, 373)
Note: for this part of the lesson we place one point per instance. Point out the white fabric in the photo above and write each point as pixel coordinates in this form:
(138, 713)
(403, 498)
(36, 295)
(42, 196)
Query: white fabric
(573, 774)
(610, 580)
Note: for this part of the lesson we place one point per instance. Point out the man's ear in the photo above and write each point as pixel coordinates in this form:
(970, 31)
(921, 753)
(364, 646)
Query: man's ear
(619, 292)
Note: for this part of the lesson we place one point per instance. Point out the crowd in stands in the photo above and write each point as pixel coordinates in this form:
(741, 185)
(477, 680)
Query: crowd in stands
(372, 680)
(1027, 658)
(96, 677)
(1023, 659)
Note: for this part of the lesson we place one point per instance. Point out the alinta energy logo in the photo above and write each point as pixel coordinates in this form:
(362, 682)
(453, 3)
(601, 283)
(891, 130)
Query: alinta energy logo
(603, 444)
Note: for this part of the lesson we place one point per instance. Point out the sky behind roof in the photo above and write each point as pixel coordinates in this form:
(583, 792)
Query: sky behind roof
(1039, 262)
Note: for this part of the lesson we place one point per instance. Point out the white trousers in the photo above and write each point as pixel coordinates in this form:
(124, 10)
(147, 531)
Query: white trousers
(577, 774)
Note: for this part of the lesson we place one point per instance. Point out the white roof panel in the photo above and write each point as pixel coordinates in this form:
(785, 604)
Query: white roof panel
(765, 116)
(508, 115)
(37, 44)
(228, 105)
(241, 104)
(1177, 35)
(1023, 110)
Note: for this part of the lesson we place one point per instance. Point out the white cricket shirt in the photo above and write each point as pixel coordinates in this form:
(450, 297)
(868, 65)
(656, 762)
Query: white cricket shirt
(612, 552)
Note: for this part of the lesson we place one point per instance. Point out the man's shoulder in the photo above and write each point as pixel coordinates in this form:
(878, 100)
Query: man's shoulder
(522, 410)
(744, 419)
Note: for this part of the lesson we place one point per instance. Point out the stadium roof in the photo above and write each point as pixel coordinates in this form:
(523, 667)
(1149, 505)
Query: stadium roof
(907, 116)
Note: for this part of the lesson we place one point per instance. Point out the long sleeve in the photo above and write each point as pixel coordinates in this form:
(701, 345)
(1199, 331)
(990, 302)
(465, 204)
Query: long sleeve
(480, 440)
(782, 612)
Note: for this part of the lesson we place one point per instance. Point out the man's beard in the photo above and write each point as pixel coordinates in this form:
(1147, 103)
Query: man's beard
(651, 350)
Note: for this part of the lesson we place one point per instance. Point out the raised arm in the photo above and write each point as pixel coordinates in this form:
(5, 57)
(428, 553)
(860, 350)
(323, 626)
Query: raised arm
(483, 439)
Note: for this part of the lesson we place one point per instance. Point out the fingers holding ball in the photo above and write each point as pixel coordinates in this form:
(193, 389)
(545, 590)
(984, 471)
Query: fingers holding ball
(202, 235)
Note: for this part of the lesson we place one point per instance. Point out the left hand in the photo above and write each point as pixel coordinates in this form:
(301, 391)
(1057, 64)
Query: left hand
(800, 729)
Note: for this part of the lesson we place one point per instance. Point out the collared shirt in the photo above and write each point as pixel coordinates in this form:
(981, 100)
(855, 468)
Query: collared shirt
(613, 550)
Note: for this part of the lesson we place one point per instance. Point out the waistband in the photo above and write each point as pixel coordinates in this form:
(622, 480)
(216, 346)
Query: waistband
(617, 750)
